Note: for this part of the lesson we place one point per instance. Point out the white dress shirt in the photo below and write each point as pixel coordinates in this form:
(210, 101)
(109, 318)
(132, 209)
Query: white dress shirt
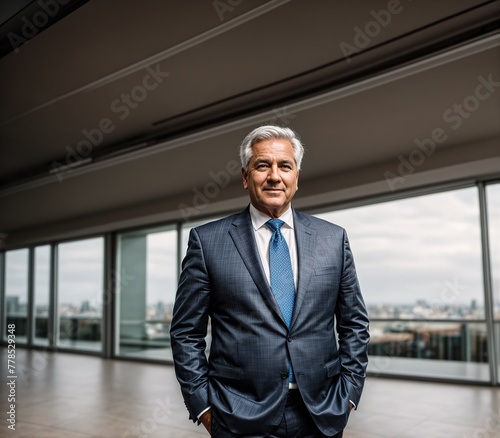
(263, 238)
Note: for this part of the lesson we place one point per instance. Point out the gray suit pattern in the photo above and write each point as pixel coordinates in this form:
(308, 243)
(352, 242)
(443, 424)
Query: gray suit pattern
(245, 378)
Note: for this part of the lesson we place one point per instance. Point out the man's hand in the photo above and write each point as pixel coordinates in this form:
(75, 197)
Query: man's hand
(350, 406)
(206, 419)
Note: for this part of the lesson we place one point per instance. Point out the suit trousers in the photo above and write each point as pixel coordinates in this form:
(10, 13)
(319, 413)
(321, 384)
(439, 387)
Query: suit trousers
(296, 423)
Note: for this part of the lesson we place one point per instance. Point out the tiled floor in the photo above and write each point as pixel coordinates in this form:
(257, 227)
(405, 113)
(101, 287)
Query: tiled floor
(73, 396)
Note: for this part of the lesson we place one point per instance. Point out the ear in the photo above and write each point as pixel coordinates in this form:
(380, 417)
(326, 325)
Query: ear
(244, 176)
(297, 182)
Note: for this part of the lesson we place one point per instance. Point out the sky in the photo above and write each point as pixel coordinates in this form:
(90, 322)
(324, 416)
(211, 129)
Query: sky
(162, 268)
(425, 247)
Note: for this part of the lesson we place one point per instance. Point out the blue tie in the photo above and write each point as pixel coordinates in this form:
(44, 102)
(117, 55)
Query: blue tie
(281, 274)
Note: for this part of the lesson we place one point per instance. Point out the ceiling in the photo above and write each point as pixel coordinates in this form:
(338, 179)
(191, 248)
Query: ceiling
(117, 112)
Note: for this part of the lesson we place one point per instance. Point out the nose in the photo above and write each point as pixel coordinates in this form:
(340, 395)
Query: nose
(274, 174)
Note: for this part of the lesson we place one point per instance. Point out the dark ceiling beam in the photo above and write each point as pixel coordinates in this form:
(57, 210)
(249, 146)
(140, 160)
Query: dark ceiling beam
(453, 31)
(24, 20)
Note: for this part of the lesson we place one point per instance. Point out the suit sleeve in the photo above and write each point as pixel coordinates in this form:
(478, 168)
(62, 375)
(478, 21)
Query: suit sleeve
(352, 328)
(189, 328)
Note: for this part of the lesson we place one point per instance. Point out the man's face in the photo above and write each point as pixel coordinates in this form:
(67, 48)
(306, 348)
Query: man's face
(272, 177)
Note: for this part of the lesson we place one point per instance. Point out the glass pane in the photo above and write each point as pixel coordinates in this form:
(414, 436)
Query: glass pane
(186, 229)
(444, 350)
(419, 259)
(146, 292)
(41, 295)
(80, 290)
(493, 205)
(16, 292)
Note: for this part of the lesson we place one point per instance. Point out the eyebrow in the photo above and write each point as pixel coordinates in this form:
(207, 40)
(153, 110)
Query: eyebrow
(261, 160)
(267, 160)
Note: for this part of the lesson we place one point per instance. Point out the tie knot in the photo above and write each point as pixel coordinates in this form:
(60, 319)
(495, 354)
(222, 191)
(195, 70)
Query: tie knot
(274, 224)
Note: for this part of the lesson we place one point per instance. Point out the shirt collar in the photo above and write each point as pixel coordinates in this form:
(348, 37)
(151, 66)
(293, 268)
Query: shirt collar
(259, 219)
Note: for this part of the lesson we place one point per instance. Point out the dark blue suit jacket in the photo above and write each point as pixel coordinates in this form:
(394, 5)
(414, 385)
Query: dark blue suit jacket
(245, 378)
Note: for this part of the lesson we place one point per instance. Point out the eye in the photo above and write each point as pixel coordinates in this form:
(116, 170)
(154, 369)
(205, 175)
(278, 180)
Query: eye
(262, 166)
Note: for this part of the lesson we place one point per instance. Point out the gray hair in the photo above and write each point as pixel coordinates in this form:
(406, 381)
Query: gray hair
(268, 132)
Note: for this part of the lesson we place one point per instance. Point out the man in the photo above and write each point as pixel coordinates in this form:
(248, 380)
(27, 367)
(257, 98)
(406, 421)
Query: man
(276, 283)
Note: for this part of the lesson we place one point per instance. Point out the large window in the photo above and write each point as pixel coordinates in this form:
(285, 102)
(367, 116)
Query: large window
(419, 262)
(16, 292)
(419, 265)
(80, 293)
(41, 295)
(493, 203)
(186, 229)
(146, 285)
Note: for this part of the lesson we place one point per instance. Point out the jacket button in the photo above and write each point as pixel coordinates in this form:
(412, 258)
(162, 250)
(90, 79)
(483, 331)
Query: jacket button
(284, 375)
(289, 339)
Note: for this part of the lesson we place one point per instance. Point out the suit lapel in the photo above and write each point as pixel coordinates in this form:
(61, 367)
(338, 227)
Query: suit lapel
(305, 237)
(243, 237)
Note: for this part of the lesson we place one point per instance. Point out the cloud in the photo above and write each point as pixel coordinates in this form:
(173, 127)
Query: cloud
(16, 274)
(408, 249)
(81, 271)
(161, 283)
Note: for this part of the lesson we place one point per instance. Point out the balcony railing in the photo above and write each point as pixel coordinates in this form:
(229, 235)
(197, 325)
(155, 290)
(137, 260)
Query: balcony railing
(456, 349)
(72, 329)
(449, 349)
(459, 340)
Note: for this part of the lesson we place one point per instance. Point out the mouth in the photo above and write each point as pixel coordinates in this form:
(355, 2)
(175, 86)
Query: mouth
(273, 190)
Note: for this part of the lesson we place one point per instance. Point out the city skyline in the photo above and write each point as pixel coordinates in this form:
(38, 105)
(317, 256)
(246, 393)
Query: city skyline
(419, 309)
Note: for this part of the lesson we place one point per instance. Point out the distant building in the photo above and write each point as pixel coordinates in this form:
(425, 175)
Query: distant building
(160, 310)
(11, 304)
(85, 307)
(473, 305)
